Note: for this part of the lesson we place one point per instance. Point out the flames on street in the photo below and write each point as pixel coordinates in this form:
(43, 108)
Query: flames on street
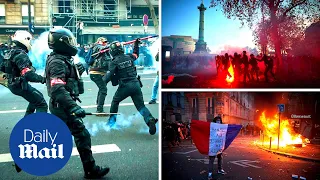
(287, 135)
(231, 71)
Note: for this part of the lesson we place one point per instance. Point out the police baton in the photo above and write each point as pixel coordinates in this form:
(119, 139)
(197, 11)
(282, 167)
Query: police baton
(124, 43)
(102, 114)
(99, 114)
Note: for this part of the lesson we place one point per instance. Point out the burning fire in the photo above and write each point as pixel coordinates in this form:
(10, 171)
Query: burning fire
(287, 134)
(230, 70)
(169, 80)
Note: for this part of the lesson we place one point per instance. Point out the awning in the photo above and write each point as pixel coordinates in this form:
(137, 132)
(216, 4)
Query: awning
(118, 30)
(11, 29)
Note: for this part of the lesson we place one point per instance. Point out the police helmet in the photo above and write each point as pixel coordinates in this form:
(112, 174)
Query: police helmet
(22, 39)
(116, 48)
(62, 41)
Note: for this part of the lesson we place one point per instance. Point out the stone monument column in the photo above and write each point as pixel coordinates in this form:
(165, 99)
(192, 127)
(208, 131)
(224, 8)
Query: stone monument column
(201, 46)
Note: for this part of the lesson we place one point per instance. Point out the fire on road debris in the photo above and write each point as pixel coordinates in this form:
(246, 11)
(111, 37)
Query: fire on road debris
(288, 136)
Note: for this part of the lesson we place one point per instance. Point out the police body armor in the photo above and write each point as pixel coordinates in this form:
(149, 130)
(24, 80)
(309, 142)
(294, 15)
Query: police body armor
(74, 83)
(101, 60)
(11, 69)
(126, 69)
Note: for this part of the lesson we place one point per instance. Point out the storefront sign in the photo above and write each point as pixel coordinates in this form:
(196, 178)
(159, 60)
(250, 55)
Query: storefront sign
(12, 30)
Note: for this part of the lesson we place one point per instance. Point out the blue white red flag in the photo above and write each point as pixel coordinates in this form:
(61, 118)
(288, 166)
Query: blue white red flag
(213, 138)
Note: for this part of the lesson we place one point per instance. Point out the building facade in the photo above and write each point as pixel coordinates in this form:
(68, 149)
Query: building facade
(180, 44)
(173, 107)
(305, 104)
(14, 16)
(234, 107)
(120, 20)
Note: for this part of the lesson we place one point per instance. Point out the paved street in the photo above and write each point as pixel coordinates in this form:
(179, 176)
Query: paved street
(241, 160)
(130, 152)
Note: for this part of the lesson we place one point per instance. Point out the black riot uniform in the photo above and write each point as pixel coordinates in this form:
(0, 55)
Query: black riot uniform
(19, 71)
(245, 62)
(123, 71)
(98, 68)
(254, 67)
(64, 86)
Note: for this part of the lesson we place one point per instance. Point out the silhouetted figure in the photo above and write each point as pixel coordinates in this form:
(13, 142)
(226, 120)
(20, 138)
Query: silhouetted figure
(245, 62)
(254, 67)
(269, 68)
(226, 64)
(236, 62)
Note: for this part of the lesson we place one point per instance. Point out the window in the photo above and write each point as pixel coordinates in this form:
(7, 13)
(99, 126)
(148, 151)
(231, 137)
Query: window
(2, 14)
(167, 54)
(169, 96)
(195, 105)
(25, 13)
(178, 101)
(86, 7)
(210, 105)
(64, 6)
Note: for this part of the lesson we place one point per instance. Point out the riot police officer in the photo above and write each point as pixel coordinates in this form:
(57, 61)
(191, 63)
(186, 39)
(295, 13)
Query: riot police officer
(98, 68)
(18, 70)
(123, 71)
(64, 85)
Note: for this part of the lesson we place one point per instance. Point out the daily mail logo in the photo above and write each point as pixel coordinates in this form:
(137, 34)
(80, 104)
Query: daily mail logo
(31, 151)
(41, 144)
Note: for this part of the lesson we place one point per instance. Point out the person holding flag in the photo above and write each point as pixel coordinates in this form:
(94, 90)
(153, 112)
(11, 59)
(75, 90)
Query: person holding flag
(217, 119)
(212, 138)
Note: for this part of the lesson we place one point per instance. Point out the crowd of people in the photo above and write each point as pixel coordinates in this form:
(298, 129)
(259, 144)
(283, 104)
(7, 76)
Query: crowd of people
(145, 59)
(174, 132)
(245, 66)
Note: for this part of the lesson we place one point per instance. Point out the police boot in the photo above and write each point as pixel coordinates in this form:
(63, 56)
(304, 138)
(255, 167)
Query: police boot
(18, 169)
(152, 125)
(112, 121)
(96, 172)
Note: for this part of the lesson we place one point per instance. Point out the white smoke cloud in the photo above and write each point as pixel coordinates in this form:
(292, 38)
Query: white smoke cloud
(133, 122)
(39, 51)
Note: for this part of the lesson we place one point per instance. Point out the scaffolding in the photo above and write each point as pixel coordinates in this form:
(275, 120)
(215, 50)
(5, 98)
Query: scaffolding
(69, 12)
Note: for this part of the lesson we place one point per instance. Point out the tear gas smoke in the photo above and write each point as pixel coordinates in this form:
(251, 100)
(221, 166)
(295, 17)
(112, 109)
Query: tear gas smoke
(39, 51)
(134, 122)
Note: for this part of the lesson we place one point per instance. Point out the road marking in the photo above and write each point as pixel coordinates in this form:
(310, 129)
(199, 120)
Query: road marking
(105, 148)
(186, 152)
(245, 163)
(205, 161)
(141, 79)
(84, 107)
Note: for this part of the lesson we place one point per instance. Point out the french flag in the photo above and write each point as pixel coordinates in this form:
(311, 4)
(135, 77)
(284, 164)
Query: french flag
(213, 138)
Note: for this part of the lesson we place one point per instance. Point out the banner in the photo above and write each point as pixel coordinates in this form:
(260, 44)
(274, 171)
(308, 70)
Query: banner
(213, 138)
